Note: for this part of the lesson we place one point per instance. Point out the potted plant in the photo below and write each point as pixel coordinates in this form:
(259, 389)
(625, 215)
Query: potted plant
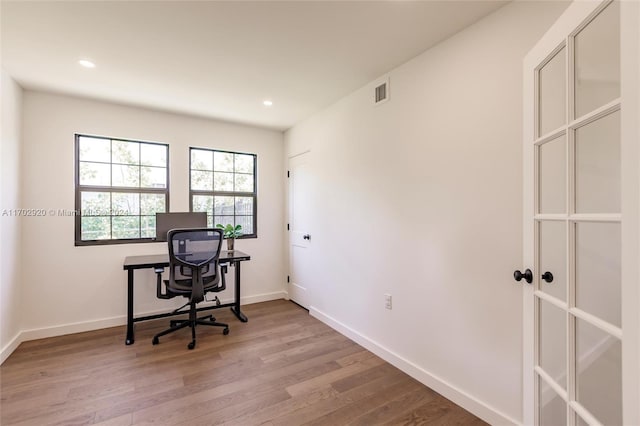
(230, 233)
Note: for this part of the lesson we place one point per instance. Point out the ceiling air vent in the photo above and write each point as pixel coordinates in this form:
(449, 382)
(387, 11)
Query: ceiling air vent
(381, 92)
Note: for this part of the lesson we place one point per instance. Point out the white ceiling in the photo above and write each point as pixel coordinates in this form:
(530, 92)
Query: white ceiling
(222, 59)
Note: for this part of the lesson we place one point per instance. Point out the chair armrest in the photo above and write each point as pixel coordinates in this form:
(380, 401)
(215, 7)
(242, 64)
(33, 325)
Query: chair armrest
(159, 293)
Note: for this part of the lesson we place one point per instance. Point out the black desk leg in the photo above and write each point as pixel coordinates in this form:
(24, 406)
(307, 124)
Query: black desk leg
(130, 338)
(236, 308)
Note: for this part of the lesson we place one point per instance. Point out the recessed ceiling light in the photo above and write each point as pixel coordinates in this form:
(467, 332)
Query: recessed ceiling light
(267, 103)
(87, 64)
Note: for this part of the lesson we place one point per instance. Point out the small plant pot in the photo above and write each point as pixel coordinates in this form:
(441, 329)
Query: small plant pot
(230, 244)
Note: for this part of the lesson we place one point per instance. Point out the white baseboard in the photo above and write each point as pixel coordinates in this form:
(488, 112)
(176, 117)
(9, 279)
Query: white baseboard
(10, 347)
(79, 327)
(265, 297)
(463, 399)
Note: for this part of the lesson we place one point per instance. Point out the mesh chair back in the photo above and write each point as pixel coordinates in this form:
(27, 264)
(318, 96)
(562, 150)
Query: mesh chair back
(193, 258)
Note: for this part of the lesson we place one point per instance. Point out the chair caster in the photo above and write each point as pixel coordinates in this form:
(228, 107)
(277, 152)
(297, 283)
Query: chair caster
(155, 341)
(225, 331)
(191, 345)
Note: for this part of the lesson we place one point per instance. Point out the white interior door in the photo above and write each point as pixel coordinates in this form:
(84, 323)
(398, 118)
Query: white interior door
(299, 232)
(573, 310)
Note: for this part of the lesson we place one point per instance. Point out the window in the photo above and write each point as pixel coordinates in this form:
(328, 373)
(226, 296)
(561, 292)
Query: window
(223, 184)
(120, 186)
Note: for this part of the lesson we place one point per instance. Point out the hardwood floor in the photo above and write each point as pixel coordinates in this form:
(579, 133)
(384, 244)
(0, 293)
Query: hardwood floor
(283, 367)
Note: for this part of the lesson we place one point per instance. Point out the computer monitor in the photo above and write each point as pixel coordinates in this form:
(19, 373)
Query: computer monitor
(168, 221)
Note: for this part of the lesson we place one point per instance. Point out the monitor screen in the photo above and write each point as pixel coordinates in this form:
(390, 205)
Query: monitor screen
(168, 221)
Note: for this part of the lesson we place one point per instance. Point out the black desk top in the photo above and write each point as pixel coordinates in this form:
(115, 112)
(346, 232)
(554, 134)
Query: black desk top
(162, 260)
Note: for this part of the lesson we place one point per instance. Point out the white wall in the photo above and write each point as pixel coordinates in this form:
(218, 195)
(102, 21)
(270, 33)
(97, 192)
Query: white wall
(10, 264)
(75, 288)
(421, 197)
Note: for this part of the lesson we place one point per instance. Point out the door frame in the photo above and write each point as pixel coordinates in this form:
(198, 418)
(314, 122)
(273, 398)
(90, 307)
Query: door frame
(575, 14)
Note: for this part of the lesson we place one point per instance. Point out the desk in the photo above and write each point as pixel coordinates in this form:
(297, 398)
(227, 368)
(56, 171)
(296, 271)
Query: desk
(161, 261)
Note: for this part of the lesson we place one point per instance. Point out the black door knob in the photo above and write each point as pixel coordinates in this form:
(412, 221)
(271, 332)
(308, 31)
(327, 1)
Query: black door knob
(527, 275)
(306, 237)
(547, 276)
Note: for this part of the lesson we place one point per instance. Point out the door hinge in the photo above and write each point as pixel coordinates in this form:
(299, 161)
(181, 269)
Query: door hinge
(287, 226)
(287, 278)
(288, 175)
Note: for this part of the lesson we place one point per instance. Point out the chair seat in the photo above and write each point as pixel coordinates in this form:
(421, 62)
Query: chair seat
(183, 287)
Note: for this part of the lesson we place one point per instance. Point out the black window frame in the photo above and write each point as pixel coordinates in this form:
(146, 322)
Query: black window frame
(214, 193)
(79, 189)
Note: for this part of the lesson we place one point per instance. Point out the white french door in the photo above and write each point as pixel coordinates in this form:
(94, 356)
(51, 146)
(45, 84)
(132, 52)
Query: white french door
(574, 219)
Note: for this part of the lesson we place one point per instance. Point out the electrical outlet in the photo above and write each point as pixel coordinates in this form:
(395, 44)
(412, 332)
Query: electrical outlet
(387, 301)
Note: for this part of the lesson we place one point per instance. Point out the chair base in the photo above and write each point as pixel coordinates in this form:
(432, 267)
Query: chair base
(176, 325)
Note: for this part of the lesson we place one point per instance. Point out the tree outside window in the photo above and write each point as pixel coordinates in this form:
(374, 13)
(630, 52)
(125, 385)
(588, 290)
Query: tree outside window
(120, 186)
(223, 184)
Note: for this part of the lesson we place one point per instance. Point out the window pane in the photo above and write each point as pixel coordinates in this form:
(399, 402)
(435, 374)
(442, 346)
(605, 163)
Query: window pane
(224, 220)
(153, 177)
(598, 166)
(95, 174)
(553, 409)
(597, 49)
(95, 203)
(223, 206)
(148, 226)
(126, 176)
(125, 152)
(202, 203)
(125, 204)
(210, 223)
(222, 161)
(246, 222)
(201, 180)
(553, 257)
(599, 373)
(201, 160)
(94, 149)
(150, 204)
(244, 205)
(244, 183)
(599, 270)
(153, 155)
(244, 163)
(126, 226)
(552, 335)
(552, 176)
(95, 228)
(553, 93)
(223, 181)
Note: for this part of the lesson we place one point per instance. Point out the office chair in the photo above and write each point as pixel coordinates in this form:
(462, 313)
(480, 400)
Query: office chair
(194, 270)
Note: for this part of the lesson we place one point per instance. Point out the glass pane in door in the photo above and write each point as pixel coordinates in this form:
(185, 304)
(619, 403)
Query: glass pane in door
(553, 409)
(553, 257)
(597, 61)
(598, 166)
(552, 172)
(581, 422)
(599, 373)
(598, 270)
(553, 342)
(552, 94)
